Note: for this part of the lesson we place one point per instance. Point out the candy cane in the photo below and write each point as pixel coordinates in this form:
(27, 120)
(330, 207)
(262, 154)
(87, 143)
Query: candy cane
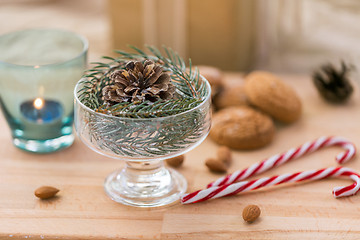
(293, 153)
(244, 186)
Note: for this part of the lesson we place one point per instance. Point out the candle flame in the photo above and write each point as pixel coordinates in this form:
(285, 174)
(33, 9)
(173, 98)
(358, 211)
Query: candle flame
(38, 103)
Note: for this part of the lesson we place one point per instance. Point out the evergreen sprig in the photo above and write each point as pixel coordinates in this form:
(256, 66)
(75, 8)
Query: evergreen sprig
(191, 90)
(148, 109)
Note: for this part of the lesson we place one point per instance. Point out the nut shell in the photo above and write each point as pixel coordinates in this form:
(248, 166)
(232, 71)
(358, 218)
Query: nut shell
(242, 128)
(214, 76)
(229, 96)
(273, 96)
(251, 213)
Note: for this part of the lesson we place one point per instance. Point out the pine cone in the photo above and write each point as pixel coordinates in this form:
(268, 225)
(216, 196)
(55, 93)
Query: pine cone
(139, 82)
(333, 84)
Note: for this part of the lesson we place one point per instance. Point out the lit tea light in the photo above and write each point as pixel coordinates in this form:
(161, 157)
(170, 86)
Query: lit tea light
(38, 103)
(41, 111)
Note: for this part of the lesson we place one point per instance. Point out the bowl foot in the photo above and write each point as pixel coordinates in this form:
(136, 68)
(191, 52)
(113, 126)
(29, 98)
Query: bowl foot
(145, 185)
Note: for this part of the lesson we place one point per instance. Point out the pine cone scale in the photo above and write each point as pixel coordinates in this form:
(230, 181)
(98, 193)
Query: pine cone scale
(129, 89)
(122, 82)
(163, 79)
(109, 92)
(133, 76)
(153, 77)
(165, 95)
(149, 69)
(120, 92)
(138, 67)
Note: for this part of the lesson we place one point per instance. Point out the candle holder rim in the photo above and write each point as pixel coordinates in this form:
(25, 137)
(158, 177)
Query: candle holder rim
(206, 99)
(83, 40)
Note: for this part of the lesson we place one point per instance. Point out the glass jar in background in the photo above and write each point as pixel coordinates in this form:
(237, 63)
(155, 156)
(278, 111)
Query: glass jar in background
(38, 72)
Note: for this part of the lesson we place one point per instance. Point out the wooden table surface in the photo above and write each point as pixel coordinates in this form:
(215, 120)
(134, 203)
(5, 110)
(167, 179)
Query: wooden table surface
(83, 211)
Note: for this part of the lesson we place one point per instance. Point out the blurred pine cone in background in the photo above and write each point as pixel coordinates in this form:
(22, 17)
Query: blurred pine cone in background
(333, 84)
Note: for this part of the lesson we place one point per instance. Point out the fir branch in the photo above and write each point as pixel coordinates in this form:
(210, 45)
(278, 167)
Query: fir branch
(146, 139)
(191, 91)
(148, 109)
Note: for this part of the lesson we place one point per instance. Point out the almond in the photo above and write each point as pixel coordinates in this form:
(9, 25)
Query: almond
(251, 213)
(45, 192)
(224, 155)
(216, 166)
(175, 161)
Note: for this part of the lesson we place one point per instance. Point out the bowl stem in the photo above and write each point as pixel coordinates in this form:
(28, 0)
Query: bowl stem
(145, 184)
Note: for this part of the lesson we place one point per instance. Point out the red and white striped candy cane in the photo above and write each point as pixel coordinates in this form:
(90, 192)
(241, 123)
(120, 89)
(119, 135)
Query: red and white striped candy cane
(244, 186)
(293, 153)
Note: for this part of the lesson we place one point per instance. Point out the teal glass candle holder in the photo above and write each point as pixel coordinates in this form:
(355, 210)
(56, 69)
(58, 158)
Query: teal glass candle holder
(38, 72)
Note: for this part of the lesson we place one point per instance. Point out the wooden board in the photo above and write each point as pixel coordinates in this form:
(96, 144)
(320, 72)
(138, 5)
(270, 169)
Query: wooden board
(83, 211)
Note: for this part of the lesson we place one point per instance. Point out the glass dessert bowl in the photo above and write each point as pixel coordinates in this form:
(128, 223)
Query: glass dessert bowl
(143, 143)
